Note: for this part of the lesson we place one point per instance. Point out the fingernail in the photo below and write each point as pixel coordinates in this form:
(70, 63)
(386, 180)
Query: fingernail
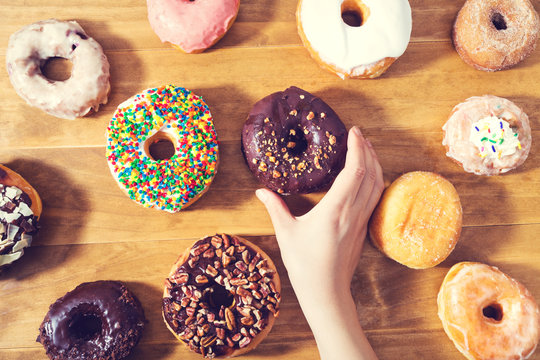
(356, 131)
(261, 194)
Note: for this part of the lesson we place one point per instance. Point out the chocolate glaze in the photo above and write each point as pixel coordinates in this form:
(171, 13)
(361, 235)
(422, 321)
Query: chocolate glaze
(220, 292)
(293, 142)
(96, 320)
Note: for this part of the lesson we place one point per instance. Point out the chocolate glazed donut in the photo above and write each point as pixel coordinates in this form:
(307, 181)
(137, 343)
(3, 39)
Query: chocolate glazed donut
(96, 320)
(293, 142)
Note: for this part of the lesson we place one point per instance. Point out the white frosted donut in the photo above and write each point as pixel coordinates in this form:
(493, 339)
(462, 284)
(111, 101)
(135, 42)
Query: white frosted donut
(487, 314)
(379, 33)
(30, 47)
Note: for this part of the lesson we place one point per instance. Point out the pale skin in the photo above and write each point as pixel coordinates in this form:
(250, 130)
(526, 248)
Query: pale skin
(322, 248)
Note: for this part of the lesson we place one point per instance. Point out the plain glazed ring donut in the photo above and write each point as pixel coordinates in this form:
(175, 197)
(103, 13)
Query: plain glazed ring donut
(192, 26)
(293, 142)
(96, 320)
(355, 38)
(222, 296)
(487, 314)
(172, 115)
(20, 209)
(88, 86)
(418, 220)
(487, 135)
(493, 35)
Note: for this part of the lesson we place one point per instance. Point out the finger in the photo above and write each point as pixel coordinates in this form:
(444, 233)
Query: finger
(348, 181)
(378, 186)
(373, 174)
(277, 209)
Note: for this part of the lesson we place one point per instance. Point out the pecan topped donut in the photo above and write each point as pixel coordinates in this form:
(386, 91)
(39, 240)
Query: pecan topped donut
(293, 142)
(222, 296)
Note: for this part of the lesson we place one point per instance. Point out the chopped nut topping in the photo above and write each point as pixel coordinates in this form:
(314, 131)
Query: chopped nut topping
(293, 112)
(263, 166)
(291, 144)
(229, 318)
(292, 132)
(266, 120)
(302, 96)
(254, 160)
(310, 115)
(201, 279)
(276, 174)
(332, 139)
(323, 115)
(317, 164)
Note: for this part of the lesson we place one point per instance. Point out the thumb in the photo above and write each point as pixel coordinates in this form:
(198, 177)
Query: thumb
(276, 207)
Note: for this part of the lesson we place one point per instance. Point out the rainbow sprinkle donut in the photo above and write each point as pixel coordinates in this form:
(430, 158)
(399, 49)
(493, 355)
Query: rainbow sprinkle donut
(171, 114)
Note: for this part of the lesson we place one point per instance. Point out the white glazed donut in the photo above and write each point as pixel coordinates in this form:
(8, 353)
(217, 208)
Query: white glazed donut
(355, 38)
(88, 86)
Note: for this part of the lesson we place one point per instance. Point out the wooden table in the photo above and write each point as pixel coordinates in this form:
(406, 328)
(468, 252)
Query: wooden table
(91, 230)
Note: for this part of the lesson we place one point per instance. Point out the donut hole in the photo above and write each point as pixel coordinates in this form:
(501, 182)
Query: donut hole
(493, 311)
(160, 146)
(56, 68)
(218, 296)
(497, 19)
(85, 326)
(295, 142)
(354, 13)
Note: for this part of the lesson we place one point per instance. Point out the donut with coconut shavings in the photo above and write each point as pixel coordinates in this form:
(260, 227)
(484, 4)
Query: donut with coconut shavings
(493, 35)
(165, 114)
(222, 296)
(293, 142)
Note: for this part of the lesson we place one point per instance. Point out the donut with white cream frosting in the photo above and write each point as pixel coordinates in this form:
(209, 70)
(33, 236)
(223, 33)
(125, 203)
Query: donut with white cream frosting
(88, 86)
(354, 38)
(487, 135)
(191, 25)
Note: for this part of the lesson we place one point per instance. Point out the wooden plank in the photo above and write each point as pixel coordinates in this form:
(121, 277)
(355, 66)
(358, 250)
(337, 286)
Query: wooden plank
(123, 25)
(394, 303)
(417, 93)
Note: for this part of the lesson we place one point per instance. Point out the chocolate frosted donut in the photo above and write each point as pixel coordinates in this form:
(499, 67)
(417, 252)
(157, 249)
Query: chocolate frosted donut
(222, 296)
(293, 142)
(96, 320)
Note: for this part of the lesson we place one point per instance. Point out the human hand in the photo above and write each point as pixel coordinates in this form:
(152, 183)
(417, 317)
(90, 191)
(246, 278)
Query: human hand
(321, 250)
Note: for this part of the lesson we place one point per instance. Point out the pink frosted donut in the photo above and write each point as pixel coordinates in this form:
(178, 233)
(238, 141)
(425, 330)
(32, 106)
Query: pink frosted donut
(88, 85)
(191, 25)
(487, 135)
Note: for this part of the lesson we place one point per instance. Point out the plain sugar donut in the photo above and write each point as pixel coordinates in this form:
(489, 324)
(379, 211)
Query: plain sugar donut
(487, 314)
(493, 35)
(355, 38)
(88, 86)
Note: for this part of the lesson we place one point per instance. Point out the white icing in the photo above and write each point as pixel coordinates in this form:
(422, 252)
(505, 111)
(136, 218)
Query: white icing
(385, 33)
(494, 138)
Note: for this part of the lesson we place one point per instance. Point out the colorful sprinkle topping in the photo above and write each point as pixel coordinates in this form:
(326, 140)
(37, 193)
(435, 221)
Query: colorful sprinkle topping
(171, 183)
(494, 138)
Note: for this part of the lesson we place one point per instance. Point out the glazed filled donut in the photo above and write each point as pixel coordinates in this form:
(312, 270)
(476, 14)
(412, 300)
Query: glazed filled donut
(487, 314)
(165, 115)
(96, 320)
(493, 35)
(29, 49)
(222, 296)
(20, 209)
(418, 220)
(192, 26)
(487, 135)
(293, 142)
(355, 38)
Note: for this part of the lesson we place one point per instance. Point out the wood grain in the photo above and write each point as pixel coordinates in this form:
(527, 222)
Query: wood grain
(91, 230)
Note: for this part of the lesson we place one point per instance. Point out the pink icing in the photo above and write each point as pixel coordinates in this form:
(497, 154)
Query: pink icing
(191, 25)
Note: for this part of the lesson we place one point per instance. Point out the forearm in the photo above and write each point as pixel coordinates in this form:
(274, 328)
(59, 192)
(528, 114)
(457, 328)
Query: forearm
(335, 325)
